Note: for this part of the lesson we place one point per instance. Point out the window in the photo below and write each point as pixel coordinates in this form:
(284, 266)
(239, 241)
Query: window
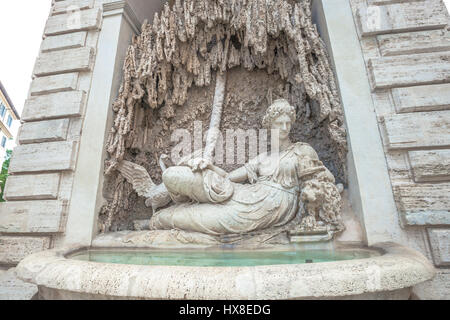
(3, 141)
(9, 121)
(2, 110)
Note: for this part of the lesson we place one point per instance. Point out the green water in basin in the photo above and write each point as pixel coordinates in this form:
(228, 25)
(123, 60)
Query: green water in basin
(219, 258)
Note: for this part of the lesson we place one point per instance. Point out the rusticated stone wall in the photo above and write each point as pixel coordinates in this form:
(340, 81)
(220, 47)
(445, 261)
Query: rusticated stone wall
(39, 188)
(406, 46)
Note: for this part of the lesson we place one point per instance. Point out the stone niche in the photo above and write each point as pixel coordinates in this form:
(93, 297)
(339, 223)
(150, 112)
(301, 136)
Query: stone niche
(106, 203)
(169, 84)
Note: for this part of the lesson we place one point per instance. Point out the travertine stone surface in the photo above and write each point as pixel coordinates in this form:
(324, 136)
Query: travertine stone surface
(382, 2)
(58, 105)
(398, 17)
(64, 61)
(430, 165)
(426, 218)
(415, 130)
(440, 243)
(436, 289)
(422, 98)
(64, 41)
(67, 6)
(423, 197)
(13, 249)
(417, 69)
(32, 217)
(414, 42)
(11, 288)
(84, 20)
(406, 47)
(32, 187)
(52, 84)
(34, 157)
(44, 131)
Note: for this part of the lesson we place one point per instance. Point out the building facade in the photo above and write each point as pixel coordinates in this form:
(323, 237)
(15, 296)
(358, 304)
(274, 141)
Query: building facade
(9, 122)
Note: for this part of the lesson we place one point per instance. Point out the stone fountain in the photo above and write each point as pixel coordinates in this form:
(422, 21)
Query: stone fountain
(228, 140)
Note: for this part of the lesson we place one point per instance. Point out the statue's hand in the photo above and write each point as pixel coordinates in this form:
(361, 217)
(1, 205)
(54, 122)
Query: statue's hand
(199, 164)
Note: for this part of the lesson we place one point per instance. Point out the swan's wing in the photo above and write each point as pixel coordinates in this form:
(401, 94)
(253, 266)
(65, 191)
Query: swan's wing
(137, 176)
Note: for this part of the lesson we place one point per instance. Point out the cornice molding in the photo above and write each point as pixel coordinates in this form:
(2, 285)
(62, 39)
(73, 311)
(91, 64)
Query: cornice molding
(122, 7)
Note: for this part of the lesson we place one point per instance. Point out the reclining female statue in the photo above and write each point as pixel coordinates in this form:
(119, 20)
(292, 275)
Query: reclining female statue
(268, 192)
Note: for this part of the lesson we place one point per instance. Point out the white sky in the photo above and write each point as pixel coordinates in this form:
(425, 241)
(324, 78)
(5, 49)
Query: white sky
(21, 26)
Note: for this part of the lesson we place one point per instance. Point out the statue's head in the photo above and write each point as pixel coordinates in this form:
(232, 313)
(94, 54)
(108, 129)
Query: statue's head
(280, 115)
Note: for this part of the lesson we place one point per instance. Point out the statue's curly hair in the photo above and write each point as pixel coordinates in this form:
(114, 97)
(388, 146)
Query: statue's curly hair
(278, 108)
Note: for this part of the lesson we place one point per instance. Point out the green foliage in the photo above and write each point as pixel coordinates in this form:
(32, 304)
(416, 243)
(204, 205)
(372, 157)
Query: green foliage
(4, 173)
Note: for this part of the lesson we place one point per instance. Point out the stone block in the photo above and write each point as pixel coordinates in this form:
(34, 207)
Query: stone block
(412, 70)
(422, 98)
(424, 197)
(440, 246)
(430, 165)
(418, 130)
(52, 156)
(53, 84)
(414, 42)
(12, 288)
(58, 105)
(71, 5)
(427, 218)
(64, 61)
(64, 41)
(32, 216)
(44, 131)
(14, 249)
(32, 187)
(73, 22)
(401, 17)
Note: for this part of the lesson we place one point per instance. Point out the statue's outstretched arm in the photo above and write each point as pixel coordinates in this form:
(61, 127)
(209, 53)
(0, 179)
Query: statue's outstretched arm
(239, 175)
(217, 170)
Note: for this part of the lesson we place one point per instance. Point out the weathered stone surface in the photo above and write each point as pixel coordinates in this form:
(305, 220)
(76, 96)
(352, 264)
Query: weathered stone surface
(412, 70)
(430, 165)
(422, 98)
(71, 5)
(437, 288)
(52, 156)
(416, 130)
(32, 187)
(72, 22)
(414, 42)
(423, 197)
(14, 249)
(31, 216)
(64, 41)
(427, 218)
(440, 246)
(53, 84)
(383, 2)
(64, 61)
(12, 288)
(44, 131)
(58, 105)
(399, 17)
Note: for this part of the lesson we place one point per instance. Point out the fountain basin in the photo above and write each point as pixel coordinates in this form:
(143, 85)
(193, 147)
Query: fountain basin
(219, 257)
(389, 271)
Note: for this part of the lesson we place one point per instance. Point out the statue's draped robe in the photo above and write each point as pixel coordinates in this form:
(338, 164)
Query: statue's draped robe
(271, 199)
